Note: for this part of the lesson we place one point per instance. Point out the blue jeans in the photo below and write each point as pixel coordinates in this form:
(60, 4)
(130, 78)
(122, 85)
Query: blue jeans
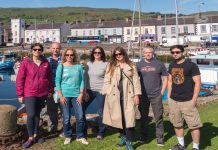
(95, 95)
(66, 113)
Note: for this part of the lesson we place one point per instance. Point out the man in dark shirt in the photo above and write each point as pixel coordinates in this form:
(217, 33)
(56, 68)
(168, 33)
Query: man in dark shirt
(52, 106)
(183, 89)
(152, 72)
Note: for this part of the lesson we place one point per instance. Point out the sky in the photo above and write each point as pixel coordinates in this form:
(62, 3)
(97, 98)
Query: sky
(163, 6)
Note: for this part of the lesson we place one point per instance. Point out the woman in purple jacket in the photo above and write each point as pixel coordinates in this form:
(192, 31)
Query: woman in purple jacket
(33, 84)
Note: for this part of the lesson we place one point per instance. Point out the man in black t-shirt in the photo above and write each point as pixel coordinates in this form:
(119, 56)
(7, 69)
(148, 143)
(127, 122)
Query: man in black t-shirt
(183, 88)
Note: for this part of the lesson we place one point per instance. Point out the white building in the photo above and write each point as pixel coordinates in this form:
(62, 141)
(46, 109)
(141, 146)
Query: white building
(167, 28)
(42, 33)
(110, 31)
(1, 34)
(17, 29)
(209, 28)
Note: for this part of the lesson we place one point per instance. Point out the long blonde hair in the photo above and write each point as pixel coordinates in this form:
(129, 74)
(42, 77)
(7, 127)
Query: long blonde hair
(75, 57)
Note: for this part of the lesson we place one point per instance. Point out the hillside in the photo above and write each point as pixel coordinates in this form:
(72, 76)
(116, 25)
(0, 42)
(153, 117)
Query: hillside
(71, 14)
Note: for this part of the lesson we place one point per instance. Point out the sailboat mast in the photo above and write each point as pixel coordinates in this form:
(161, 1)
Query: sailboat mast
(140, 31)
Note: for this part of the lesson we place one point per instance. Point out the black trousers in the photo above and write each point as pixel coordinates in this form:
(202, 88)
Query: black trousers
(128, 132)
(157, 107)
(34, 106)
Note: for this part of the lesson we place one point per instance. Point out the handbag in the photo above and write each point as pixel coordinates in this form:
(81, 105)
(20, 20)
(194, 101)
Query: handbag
(56, 97)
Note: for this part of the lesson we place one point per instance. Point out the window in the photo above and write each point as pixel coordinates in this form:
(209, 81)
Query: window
(173, 30)
(215, 62)
(185, 28)
(136, 31)
(99, 32)
(15, 26)
(128, 31)
(203, 62)
(53, 32)
(173, 37)
(76, 33)
(146, 30)
(163, 30)
(15, 33)
(90, 32)
(105, 31)
(27, 39)
(84, 32)
(136, 38)
(214, 28)
(114, 31)
(203, 28)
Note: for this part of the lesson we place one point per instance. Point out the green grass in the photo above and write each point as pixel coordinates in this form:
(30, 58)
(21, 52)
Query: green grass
(209, 136)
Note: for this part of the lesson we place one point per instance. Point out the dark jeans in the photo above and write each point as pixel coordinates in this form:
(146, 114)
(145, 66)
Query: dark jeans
(52, 110)
(66, 113)
(128, 132)
(157, 107)
(94, 95)
(34, 106)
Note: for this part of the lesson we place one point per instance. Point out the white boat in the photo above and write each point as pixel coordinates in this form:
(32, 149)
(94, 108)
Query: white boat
(198, 51)
(208, 65)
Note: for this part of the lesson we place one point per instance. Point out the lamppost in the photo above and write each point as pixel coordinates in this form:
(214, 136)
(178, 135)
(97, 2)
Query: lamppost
(199, 8)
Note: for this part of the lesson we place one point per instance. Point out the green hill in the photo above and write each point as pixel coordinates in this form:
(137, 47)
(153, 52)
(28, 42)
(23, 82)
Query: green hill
(71, 14)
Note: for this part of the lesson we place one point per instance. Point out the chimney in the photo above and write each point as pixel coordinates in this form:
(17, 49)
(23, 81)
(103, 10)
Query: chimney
(127, 19)
(159, 17)
(99, 20)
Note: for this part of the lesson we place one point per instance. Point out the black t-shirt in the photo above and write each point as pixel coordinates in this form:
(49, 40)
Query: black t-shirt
(182, 82)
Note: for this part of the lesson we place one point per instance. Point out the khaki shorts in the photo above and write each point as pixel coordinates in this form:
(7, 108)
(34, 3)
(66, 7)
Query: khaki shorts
(178, 111)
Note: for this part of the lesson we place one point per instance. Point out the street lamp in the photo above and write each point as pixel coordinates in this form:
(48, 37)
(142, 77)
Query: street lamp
(199, 8)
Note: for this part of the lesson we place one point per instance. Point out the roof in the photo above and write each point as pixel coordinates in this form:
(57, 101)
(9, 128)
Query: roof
(113, 24)
(44, 26)
(147, 22)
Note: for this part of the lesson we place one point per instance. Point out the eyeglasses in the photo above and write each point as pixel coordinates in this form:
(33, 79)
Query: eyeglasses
(118, 54)
(37, 49)
(97, 53)
(69, 54)
(176, 52)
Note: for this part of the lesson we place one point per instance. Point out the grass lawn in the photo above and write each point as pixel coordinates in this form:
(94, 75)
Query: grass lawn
(209, 136)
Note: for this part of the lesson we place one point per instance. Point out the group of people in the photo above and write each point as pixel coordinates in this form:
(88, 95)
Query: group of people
(119, 87)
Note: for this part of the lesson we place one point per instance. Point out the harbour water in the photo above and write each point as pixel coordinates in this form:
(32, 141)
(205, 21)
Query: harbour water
(7, 88)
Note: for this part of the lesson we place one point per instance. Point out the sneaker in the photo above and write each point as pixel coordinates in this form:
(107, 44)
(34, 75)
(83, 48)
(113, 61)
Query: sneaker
(178, 147)
(67, 141)
(39, 140)
(142, 140)
(122, 141)
(83, 141)
(61, 135)
(99, 137)
(27, 144)
(160, 142)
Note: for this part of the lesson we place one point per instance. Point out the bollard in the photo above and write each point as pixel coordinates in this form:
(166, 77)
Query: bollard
(8, 120)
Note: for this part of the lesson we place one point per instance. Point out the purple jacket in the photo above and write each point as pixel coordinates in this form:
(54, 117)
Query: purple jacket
(33, 80)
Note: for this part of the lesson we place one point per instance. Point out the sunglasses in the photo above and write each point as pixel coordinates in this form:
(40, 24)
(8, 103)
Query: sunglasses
(118, 54)
(37, 49)
(176, 52)
(97, 53)
(69, 54)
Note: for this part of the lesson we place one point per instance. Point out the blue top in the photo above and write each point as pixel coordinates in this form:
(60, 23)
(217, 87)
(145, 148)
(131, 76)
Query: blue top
(72, 81)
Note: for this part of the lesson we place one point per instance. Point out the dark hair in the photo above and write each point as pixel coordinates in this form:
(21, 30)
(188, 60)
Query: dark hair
(177, 46)
(36, 44)
(113, 62)
(103, 58)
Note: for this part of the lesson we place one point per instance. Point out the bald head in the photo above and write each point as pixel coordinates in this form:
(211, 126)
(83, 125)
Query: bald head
(55, 48)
